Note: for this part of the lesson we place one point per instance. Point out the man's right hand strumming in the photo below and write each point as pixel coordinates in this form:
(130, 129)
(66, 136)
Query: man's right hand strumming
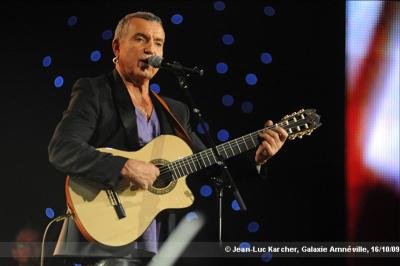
(140, 173)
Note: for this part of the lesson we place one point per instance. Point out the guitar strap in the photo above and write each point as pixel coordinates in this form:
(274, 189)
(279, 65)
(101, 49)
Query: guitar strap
(181, 133)
(179, 129)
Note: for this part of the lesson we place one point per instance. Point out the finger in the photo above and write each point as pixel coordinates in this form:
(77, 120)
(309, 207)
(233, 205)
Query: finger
(149, 183)
(268, 148)
(142, 182)
(282, 133)
(272, 143)
(261, 154)
(266, 137)
(152, 180)
(157, 171)
(269, 123)
(262, 151)
(271, 136)
(142, 185)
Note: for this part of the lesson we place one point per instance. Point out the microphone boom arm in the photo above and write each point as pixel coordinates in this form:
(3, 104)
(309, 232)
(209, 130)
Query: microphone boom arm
(159, 62)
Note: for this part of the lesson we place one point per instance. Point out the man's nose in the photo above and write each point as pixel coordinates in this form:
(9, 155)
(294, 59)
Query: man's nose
(149, 48)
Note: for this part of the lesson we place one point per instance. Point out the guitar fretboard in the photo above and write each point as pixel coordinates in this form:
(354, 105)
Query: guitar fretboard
(206, 158)
(297, 124)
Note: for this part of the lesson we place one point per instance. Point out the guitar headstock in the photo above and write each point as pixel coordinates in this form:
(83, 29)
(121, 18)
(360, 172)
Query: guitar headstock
(300, 123)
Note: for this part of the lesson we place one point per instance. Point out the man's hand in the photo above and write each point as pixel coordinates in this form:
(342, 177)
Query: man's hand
(272, 141)
(140, 173)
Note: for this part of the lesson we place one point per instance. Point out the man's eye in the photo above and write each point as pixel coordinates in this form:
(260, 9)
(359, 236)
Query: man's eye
(159, 44)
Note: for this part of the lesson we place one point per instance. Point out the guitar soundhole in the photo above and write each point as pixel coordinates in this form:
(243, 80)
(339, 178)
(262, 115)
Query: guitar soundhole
(164, 183)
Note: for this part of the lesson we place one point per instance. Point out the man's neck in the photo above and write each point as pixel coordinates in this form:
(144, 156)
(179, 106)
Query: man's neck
(139, 89)
(138, 92)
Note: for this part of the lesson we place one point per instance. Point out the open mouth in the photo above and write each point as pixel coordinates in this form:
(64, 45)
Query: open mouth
(143, 64)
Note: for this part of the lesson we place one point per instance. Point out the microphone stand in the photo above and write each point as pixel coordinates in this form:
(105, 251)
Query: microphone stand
(219, 183)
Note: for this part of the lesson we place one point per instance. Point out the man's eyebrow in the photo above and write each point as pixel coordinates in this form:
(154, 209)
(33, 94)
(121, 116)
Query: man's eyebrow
(139, 34)
(159, 39)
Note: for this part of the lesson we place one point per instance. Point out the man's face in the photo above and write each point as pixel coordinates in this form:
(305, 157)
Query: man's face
(141, 40)
(27, 248)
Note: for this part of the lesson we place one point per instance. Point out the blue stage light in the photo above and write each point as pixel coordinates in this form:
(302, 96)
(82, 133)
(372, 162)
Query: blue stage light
(58, 81)
(251, 79)
(235, 205)
(247, 107)
(269, 11)
(244, 245)
(227, 100)
(223, 135)
(177, 19)
(199, 128)
(72, 20)
(222, 68)
(95, 56)
(49, 213)
(219, 5)
(266, 257)
(46, 62)
(266, 58)
(205, 191)
(253, 227)
(228, 39)
(155, 87)
(107, 35)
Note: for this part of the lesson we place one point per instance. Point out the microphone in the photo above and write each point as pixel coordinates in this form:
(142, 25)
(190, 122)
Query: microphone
(159, 62)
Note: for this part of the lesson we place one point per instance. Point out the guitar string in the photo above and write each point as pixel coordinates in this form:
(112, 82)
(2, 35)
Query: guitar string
(221, 148)
(196, 158)
(182, 164)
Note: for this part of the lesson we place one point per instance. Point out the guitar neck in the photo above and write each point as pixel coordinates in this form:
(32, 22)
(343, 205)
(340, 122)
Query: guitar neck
(207, 158)
(296, 125)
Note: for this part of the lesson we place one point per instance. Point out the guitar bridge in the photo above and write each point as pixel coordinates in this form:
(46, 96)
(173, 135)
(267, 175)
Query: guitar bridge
(116, 203)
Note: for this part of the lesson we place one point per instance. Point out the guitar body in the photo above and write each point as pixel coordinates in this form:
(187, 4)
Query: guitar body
(92, 208)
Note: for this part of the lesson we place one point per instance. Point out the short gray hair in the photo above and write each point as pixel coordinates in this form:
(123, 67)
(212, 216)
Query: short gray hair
(123, 23)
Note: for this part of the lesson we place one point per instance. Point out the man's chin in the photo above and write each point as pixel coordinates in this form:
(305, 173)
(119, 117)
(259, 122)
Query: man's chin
(147, 73)
(140, 76)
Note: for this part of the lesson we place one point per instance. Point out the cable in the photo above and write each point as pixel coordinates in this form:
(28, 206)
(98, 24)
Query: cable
(57, 219)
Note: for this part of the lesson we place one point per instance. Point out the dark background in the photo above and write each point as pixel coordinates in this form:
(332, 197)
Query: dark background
(303, 198)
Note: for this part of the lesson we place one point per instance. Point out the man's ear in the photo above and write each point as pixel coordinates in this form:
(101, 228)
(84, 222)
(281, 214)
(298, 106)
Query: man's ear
(115, 47)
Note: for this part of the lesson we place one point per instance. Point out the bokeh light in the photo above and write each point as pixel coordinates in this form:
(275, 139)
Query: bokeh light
(177, 19)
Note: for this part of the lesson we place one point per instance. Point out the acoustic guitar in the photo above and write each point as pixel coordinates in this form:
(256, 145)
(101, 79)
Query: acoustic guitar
(118, 216)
